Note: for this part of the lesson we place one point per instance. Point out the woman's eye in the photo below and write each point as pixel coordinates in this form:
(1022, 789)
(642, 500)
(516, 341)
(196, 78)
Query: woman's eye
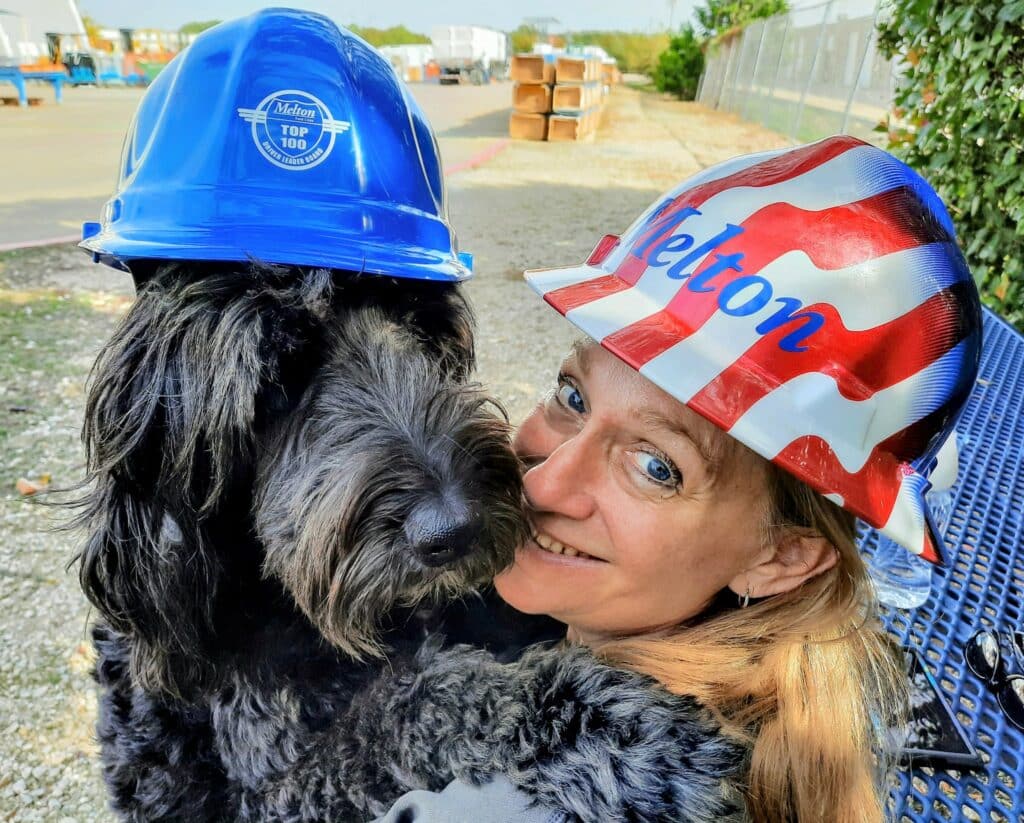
(570, 397)
(659, 470)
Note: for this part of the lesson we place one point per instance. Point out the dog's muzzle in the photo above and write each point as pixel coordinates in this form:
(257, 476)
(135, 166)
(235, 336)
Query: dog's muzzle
(442, 532)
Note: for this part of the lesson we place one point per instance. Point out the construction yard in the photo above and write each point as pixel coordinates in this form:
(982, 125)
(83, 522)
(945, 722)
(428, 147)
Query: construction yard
(515, 205)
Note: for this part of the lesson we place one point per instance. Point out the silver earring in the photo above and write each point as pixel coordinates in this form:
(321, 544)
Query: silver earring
(745, 600)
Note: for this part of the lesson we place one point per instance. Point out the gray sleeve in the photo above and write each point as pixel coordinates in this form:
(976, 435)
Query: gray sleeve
(495, 802)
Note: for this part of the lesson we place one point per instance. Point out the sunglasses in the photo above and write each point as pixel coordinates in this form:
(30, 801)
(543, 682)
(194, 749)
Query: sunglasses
(983, 656)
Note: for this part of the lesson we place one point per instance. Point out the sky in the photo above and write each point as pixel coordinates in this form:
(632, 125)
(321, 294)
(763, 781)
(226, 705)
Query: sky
(632, 15)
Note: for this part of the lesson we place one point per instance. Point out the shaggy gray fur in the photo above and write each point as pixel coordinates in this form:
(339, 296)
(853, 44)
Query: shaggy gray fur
(287, 467)
(600, 743)
(383, 419)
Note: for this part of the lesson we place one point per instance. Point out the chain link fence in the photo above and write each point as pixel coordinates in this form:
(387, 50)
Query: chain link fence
(811, 72)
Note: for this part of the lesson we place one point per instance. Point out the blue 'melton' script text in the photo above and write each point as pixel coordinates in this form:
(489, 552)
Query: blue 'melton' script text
(741, 296)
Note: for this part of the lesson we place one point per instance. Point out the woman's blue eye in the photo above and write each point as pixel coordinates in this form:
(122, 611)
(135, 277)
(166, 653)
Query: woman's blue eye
(657, 469)
(570, 397)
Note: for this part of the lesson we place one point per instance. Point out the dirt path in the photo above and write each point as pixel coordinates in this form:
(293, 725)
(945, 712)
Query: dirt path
(534, 205)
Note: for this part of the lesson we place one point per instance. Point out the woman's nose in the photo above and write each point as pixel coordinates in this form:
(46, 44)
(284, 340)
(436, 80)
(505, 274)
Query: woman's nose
(563, 481)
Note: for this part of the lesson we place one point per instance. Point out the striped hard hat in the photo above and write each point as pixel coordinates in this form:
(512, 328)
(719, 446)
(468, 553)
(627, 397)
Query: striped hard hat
(811, 302)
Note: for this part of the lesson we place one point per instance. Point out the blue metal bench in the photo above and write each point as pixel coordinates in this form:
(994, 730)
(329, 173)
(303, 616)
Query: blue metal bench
(13, 74)
(983, 587)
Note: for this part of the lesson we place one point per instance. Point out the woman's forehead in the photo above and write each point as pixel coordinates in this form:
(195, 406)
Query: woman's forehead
(648, 404)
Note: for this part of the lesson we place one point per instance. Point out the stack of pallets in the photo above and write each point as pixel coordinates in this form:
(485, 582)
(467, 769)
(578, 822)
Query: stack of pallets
(577, 99)
(610, 74)
(531, 96)
(558, 100)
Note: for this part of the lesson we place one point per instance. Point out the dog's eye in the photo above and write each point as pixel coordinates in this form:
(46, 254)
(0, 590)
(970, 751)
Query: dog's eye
(570, 397)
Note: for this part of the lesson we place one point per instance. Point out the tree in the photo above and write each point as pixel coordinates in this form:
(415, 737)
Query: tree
(959, 122)
(195, 27)
(393, 36)
(634, 51)
(523, 39)
(680, 65)
(719, 16)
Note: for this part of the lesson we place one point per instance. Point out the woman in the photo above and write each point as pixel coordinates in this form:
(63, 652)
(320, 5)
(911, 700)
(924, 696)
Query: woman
(784, 344)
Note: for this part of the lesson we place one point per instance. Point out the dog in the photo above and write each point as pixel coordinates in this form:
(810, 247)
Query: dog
(289, 470)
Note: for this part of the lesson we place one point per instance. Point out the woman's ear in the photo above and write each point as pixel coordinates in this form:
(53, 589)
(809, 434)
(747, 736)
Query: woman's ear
(794, 559)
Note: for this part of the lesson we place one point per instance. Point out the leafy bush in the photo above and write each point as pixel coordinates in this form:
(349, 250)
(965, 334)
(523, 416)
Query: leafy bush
(196, 26)
(680, 65)
(523, 39)
(393, 36)
(720, 16)
(958, 122)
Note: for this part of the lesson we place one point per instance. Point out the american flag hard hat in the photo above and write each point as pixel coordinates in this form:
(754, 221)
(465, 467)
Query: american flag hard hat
(811, 302)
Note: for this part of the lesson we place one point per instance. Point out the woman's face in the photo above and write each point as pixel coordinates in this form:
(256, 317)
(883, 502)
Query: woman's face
(642, 510)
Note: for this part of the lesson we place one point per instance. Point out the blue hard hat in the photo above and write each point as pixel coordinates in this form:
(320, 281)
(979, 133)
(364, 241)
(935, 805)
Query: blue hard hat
(283, 138)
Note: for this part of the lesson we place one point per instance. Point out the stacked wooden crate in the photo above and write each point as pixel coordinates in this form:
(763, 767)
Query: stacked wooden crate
(610, 74)
(577, 99)
(531, 96)
(556, 101)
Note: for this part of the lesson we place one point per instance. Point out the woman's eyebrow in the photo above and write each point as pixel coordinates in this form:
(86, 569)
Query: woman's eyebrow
(706, 446)
(581, 354)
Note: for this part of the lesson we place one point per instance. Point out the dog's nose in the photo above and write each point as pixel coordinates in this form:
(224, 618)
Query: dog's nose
(439, 535)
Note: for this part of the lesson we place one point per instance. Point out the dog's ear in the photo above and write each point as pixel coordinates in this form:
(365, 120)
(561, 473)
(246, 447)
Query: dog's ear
(447, 325)
(157, 584)
(173, 411)
(176, 395)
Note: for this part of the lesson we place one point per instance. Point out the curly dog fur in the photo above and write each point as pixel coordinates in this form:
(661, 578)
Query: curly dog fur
(288, 468)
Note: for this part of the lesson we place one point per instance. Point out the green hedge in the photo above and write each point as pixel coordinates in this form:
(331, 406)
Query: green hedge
(958, 120)
(680, 65)
(634, 51)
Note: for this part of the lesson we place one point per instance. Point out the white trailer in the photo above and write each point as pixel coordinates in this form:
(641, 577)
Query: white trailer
(470, 54)
(408, 61)
(32, 30)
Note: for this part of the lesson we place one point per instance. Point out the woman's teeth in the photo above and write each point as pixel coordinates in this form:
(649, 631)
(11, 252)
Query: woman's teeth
(549, 544)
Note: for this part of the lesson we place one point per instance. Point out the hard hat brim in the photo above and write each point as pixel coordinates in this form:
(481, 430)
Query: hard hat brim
(330, 253)
(357, 236)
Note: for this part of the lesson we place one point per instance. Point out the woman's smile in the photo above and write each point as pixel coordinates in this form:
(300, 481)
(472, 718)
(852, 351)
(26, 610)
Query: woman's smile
(623, 499)
(543, 554)
(552, 545)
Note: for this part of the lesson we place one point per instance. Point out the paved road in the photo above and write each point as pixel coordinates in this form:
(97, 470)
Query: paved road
(58, 163)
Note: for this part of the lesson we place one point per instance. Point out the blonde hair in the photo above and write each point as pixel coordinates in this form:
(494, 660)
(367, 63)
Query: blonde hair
(807, 679)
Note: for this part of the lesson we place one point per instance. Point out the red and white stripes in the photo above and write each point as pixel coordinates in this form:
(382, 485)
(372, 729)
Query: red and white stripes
(801, 300)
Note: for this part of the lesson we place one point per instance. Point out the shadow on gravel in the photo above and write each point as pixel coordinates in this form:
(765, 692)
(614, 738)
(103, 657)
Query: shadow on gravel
(61, 268)
(510, 228)
(492, 124)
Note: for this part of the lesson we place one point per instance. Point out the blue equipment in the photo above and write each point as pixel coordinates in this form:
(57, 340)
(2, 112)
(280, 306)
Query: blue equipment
(282, 138)
(83, 76)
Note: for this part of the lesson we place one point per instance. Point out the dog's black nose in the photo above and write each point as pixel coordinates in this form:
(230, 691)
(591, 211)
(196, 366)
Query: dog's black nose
(440, 534)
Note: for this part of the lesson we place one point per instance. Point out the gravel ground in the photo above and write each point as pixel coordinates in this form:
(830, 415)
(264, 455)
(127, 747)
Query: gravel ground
(534, 205)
